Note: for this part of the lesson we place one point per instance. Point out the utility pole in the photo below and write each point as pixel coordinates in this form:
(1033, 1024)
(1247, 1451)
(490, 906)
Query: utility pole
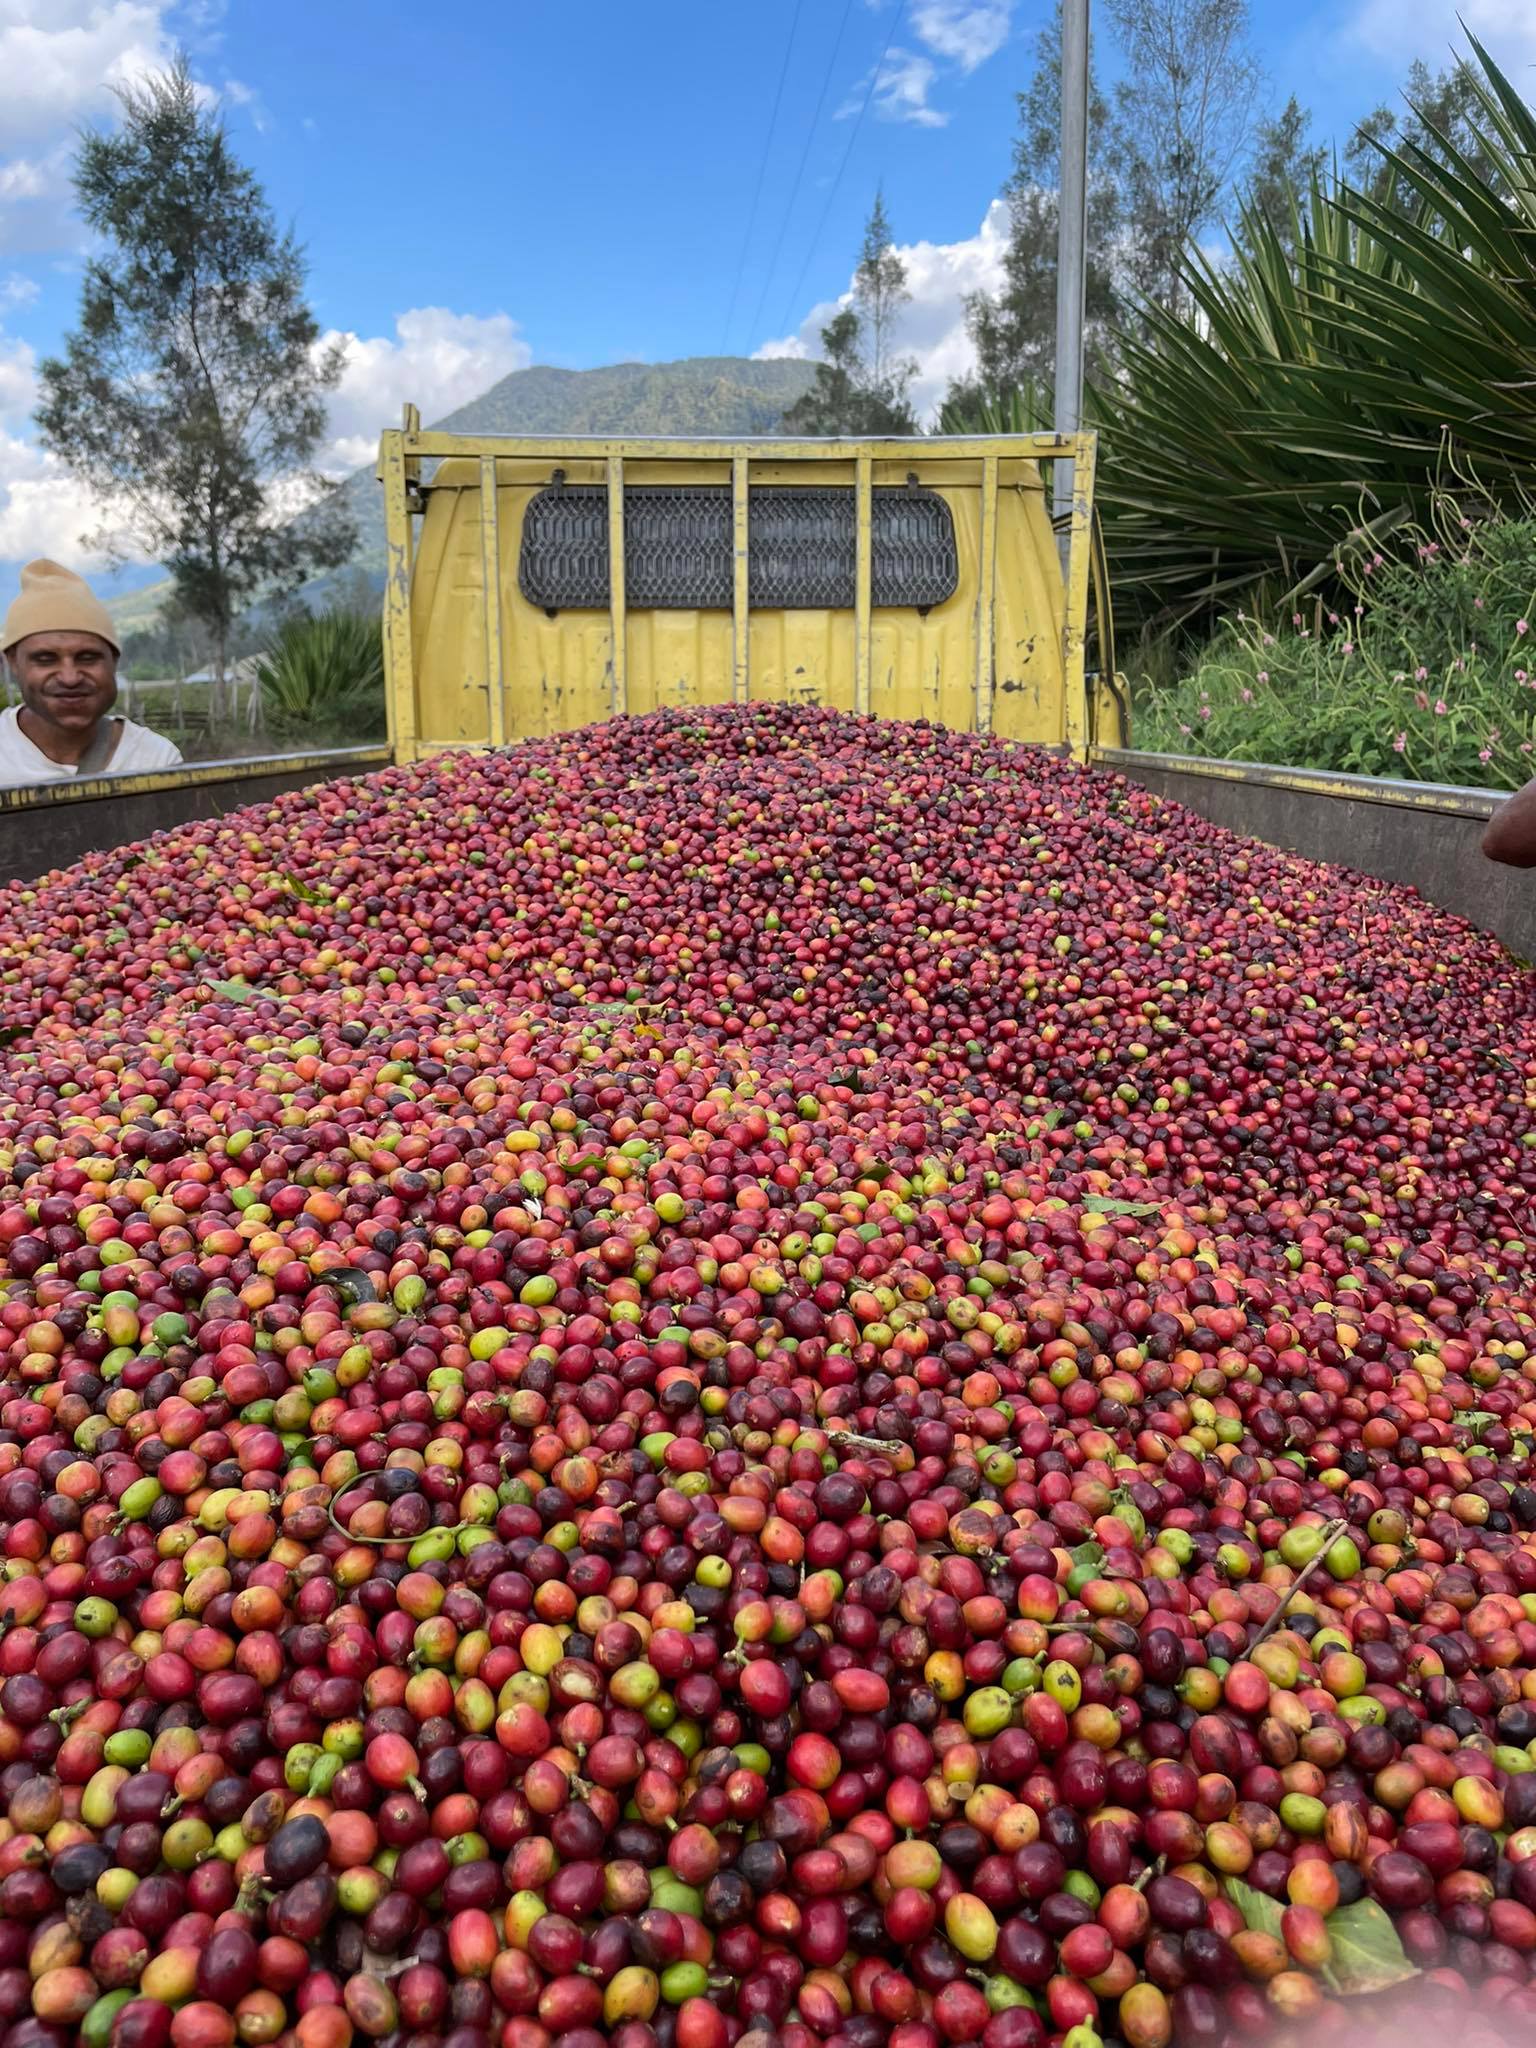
(1072, 235)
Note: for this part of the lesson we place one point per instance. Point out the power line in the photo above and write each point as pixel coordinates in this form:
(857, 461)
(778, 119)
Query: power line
(794, 190)
(762, 172)
(874, 80)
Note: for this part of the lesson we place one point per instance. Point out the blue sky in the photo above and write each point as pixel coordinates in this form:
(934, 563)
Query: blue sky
(488, 183)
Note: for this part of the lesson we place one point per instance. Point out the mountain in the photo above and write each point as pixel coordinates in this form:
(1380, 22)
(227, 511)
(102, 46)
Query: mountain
(725, 395)
(699, 395)
(704, 395)
(136, 611)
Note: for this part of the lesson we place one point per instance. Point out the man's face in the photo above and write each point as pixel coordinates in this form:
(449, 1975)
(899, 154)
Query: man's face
(67, 679)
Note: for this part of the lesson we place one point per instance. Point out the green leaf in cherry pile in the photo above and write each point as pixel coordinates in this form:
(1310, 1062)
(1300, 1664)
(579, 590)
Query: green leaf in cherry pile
(1367, 1955)
(242, 992)
(1259, 1910)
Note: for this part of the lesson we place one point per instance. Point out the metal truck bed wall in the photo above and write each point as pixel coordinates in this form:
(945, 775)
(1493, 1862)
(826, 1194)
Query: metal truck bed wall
(1424, 834)
(54, 824)
(551, 584)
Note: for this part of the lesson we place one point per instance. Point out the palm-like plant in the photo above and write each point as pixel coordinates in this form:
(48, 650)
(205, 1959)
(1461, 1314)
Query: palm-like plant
(1318, 400)
(1024, 410)
(322, 678)
(1339, 370)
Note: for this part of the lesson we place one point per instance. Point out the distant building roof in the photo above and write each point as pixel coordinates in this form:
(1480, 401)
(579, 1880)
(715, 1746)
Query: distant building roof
(240, 671)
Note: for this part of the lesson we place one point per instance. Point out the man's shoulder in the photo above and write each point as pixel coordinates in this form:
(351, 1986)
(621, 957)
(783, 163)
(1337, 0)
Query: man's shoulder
(21, 763)
(13, 740)
(147, 749)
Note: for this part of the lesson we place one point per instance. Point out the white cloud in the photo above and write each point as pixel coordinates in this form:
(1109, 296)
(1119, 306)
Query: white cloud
(1506, 29)
(60, 63)
(18, 381)
(24, 177)
(37, 205)
(961, 34)
(238, 94)
(437, 359)
(789, 347)
(60, 60)
(967, 32)
(931, 326)
(43, 509)
(17, 290)
(902, 85)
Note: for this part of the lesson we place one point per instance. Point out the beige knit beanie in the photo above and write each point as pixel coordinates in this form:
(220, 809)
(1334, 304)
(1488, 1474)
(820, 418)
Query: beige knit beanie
(55, 600)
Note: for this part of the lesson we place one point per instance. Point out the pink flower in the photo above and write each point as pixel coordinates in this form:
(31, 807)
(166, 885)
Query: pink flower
(1520, 677)
(1421, 675)
(1477, 604)
(1400, 743)
(1333, 618)
(1205, 711)
(1420, 700)
(1525, 746)
(1441, 707)
(1246, 695)
(1269, 639)
(1295, 618)
(1485, 754)
(1263, 675)
(1349, 646)
(1188, 731)
(1522, 625)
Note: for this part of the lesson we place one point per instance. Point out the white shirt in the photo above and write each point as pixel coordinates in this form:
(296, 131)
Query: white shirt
(139, 751)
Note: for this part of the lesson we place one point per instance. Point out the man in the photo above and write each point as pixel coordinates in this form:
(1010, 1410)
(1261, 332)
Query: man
(1511, 833)
(61, 651)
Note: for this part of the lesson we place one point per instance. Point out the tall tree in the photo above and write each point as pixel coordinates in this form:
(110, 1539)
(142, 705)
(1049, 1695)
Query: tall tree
(190, 399)
(879, 289)
(1013, 330)
(1285, 163)
(1437, 108)
(1164, 151)
(861, 386)
(1186, 114)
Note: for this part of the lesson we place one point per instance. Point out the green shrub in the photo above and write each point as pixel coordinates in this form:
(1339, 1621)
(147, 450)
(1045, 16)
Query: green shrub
(322, 679)
(1429, 673)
